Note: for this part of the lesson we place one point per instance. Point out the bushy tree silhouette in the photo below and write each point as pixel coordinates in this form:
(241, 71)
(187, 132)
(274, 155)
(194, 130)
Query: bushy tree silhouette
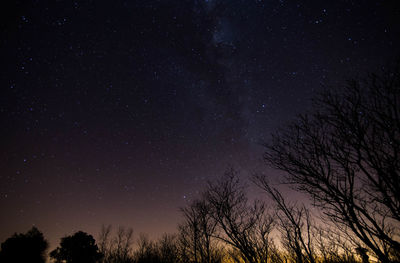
(29, 247)
(78, 248)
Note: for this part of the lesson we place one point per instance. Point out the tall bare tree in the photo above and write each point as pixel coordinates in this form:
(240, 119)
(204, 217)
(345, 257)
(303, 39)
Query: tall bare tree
(244, 225)
(146, 251)
(196, 233)
(117, 249)
(345, 156)
(104, 243)
(332, 245)
(295, 224)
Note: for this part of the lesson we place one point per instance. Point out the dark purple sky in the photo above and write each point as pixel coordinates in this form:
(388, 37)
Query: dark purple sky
(118, 112)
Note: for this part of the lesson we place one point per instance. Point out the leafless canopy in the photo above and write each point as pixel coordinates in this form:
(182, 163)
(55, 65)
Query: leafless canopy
(242, 224)
(345, 156)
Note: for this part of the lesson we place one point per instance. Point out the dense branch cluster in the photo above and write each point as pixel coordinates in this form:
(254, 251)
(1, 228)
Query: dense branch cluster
(345, 156)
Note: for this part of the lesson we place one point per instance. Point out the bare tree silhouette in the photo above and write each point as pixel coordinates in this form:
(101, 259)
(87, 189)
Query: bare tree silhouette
(243, 225)
(345, 156)
(168, 248)
(146, 250)
(294, 223)
(196, 234)
(116, 249)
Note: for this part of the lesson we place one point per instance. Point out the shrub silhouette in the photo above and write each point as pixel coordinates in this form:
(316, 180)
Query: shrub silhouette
(29, 247)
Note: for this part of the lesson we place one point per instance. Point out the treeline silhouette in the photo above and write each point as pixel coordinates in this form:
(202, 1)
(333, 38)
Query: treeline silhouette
(343, 155)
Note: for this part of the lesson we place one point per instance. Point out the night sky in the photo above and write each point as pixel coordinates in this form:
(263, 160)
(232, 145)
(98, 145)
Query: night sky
(118, 112)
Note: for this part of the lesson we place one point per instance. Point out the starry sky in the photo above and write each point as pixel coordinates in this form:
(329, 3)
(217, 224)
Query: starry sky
(118, 112)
